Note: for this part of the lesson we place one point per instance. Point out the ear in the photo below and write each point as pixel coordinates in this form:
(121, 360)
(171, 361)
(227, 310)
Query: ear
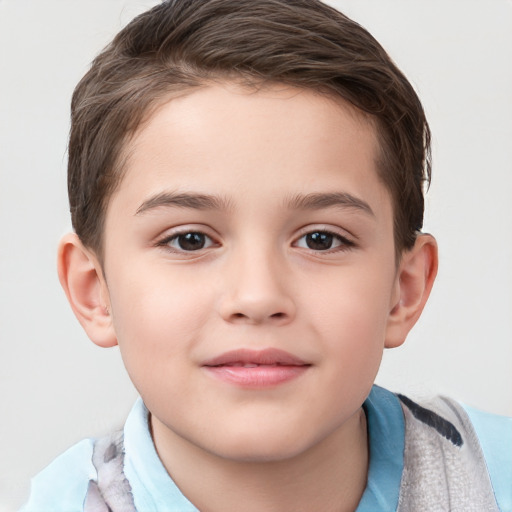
(415, 277)
(82, 278)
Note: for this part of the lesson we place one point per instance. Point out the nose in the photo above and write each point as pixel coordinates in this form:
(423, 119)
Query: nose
(256, 290)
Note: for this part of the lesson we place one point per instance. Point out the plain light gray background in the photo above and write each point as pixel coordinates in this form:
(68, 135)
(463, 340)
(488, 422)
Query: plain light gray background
(57, 387)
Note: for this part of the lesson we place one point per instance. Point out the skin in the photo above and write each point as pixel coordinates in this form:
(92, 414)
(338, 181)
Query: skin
(263, 159)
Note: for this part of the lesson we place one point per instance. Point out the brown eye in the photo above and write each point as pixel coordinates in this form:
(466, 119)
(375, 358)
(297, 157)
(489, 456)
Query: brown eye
(319, 241)
(323, 241)
(192, 241)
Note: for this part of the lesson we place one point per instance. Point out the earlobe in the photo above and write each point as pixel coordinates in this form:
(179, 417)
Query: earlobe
(81, 277)
(414, 281)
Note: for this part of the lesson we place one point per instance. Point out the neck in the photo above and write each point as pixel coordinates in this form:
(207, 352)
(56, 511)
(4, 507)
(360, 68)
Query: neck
(329, 476)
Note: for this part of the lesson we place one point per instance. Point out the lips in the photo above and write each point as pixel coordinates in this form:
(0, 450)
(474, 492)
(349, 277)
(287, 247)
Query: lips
(241, 357)
(256, 368)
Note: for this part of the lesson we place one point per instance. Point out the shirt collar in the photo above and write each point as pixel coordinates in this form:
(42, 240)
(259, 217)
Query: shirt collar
(386, 434)
(152, 487)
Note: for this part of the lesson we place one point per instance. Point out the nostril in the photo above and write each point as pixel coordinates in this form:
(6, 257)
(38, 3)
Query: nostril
(277, 315)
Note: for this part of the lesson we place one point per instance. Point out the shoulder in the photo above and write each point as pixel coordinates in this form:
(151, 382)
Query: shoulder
(463, 454)
(494, 434)
(62, 485)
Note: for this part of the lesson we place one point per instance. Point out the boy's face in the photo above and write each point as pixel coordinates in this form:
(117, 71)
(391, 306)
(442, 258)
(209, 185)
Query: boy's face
(249, 260)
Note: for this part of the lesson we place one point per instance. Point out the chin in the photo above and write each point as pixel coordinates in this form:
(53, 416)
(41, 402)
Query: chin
(260, 448)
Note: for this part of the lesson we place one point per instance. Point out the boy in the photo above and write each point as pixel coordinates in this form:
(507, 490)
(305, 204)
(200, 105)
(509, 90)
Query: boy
(245, 182)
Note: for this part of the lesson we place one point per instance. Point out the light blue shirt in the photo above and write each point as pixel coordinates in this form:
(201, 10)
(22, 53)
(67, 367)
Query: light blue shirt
(62, 486)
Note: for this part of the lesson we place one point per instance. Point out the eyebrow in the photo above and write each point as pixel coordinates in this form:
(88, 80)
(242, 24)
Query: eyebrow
(184, 200)
(314, 201)
(317, 201)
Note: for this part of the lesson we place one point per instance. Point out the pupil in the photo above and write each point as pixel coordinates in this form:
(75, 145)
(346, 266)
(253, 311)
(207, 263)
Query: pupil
(319, 241)
(191, 241)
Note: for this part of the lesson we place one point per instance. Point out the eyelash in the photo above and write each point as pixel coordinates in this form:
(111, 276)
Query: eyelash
(344, 243)
(166, 242)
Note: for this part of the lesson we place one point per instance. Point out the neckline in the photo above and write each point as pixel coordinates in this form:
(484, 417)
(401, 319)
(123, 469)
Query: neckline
(153, 488)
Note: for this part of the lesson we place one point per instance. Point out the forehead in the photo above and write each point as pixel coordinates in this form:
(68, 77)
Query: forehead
(241, 143)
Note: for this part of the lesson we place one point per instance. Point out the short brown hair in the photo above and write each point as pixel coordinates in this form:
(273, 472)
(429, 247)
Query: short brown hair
(181, 44)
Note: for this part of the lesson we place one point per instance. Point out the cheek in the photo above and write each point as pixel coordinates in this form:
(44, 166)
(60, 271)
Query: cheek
(156, 319)
(356, 299)
(350, 319)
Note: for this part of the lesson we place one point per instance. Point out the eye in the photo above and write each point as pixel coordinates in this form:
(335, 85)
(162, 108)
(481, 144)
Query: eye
(189, 241)
(323, 241)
